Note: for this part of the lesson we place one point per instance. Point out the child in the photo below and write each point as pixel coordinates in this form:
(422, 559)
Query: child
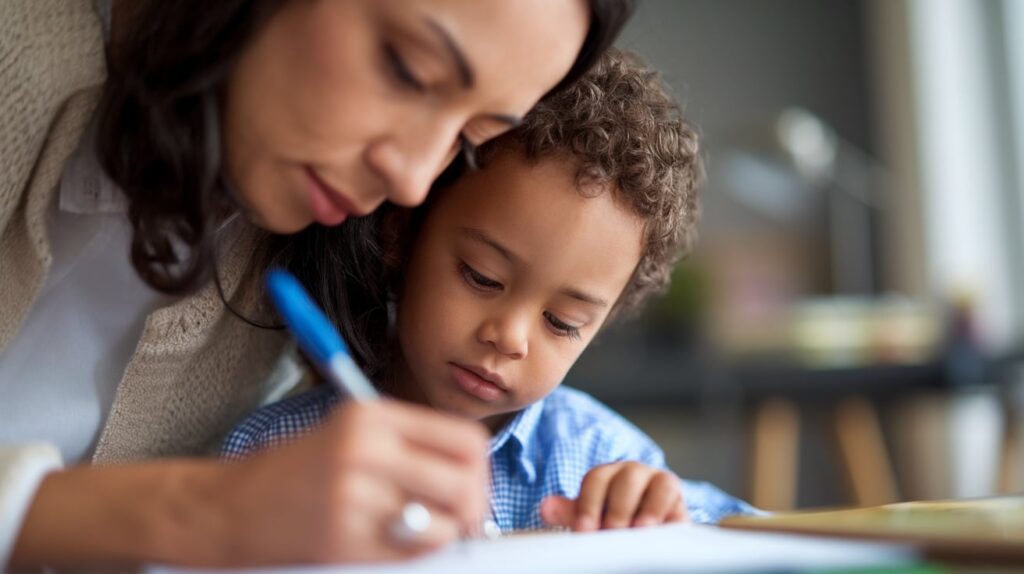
(575, 218)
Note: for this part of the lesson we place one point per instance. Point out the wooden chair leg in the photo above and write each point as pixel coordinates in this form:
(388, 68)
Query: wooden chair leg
(775, 457)
(1009, 460)
(862, 449)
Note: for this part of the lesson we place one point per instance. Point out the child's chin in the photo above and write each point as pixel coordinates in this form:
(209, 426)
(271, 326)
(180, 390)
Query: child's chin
(462, 411)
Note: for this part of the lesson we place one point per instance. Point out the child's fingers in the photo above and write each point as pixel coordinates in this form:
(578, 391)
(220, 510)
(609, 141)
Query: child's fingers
(590, 502)
(678, 512)
(558, 511)
(660, 500)
(625, 493)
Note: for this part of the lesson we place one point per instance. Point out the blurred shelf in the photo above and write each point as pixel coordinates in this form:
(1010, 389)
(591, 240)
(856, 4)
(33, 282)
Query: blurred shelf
(624, 376)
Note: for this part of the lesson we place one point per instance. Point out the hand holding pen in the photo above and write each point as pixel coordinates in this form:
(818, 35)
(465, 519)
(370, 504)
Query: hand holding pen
(318, 338)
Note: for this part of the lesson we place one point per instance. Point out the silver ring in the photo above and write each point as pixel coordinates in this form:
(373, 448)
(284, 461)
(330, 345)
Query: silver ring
(411, 523)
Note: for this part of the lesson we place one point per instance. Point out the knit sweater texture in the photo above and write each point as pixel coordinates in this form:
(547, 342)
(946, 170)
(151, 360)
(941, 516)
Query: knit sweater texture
(196, 369)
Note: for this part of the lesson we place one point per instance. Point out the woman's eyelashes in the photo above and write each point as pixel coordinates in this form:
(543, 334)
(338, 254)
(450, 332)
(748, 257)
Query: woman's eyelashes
(481, 282)
(400, 71)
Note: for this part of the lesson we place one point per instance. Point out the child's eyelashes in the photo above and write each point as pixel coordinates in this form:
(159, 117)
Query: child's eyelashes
(561, 328)
(482, 283)
(477, 280)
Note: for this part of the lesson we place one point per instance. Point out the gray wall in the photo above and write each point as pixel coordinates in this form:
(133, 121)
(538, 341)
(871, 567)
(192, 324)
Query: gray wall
(734, 64)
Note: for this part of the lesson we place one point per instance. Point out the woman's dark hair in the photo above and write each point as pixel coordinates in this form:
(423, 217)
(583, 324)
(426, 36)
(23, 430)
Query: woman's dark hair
(159, 140)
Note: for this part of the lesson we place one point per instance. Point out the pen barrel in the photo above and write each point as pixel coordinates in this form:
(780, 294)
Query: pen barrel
(346, 376)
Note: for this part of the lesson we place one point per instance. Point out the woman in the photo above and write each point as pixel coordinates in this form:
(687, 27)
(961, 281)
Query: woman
(216, 123)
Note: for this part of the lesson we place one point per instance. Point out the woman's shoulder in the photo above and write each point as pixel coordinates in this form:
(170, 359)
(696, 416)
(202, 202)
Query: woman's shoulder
(50, 50)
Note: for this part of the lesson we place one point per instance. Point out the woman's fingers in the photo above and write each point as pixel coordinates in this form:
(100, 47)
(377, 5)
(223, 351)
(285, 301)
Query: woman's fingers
(432, 457)
(336, 493)
(441, 530)
(455, 438)
(459, 489)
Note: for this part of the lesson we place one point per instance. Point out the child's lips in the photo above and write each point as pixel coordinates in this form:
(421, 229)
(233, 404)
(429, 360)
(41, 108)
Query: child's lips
(469, 380)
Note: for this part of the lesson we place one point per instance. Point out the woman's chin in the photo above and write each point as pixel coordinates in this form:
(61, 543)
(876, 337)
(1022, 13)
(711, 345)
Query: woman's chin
(279, 223)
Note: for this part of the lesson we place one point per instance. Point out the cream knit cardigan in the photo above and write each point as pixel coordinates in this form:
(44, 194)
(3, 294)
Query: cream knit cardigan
(196, 369)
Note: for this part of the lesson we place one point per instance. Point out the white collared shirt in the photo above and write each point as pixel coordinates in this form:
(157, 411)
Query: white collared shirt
(59, 375)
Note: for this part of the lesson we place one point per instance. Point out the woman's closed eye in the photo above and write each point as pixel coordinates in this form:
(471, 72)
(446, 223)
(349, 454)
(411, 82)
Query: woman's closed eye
(560, 327)
(407, 79)
(400, 70)
(478, 280)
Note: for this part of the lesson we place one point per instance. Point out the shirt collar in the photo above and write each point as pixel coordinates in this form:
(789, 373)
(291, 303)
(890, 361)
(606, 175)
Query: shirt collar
(520, 432)
(84, 186)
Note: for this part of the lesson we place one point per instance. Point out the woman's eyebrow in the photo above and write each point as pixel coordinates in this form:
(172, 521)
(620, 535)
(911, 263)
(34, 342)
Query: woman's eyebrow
(466, 74)
(465, 71)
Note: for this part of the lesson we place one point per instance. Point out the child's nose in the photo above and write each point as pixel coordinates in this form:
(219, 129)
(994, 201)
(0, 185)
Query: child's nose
(509, 335)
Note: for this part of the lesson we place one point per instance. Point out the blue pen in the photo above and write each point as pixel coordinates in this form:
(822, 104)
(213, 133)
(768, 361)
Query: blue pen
(325, 347)
(318, 337)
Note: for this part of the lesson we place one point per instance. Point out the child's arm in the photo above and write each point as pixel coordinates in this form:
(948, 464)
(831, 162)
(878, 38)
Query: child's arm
(619, 495)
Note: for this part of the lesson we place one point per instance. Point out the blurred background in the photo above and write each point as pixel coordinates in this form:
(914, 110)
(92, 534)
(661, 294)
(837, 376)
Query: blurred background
(850, 328)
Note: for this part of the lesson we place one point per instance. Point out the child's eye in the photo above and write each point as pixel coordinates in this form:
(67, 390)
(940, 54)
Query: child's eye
(477, 280)
(561, 328)
(400, 70)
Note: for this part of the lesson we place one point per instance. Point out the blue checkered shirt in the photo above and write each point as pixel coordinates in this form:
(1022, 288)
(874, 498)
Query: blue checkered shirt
(545, 450)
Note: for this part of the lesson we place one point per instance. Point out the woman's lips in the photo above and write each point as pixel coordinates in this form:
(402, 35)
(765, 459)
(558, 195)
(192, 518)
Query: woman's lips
(475, 385)
(328, 205)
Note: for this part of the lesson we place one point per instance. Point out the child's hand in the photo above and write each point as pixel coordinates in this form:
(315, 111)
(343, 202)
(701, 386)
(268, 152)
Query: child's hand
(618, 495)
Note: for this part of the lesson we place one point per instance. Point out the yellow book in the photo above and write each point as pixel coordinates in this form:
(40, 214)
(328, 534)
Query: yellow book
(983, 529)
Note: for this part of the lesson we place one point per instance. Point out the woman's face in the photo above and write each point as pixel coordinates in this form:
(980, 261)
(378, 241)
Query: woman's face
(339, 105)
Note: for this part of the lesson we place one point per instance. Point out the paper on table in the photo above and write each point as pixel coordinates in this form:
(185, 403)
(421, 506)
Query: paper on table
(675, 548)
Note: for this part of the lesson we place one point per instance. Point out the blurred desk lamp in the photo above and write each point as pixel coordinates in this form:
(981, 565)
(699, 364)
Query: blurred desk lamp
(777, 172)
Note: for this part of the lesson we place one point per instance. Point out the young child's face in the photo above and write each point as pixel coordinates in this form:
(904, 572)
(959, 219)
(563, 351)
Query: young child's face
(510, 277)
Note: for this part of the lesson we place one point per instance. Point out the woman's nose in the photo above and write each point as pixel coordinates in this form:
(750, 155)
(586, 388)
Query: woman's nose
(409, 161)
(507, 334)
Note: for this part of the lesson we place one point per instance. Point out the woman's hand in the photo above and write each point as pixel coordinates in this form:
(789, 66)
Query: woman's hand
(334, 495)
(330, 496)
(619, 495)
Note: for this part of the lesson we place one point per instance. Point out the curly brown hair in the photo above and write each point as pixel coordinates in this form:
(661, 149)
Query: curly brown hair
(625, 129)
(622, 127)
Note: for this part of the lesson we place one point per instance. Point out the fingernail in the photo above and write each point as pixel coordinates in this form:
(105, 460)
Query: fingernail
(642, 521)
(586, 523)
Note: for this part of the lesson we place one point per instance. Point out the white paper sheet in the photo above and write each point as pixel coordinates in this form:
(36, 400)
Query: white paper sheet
(675, 548)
